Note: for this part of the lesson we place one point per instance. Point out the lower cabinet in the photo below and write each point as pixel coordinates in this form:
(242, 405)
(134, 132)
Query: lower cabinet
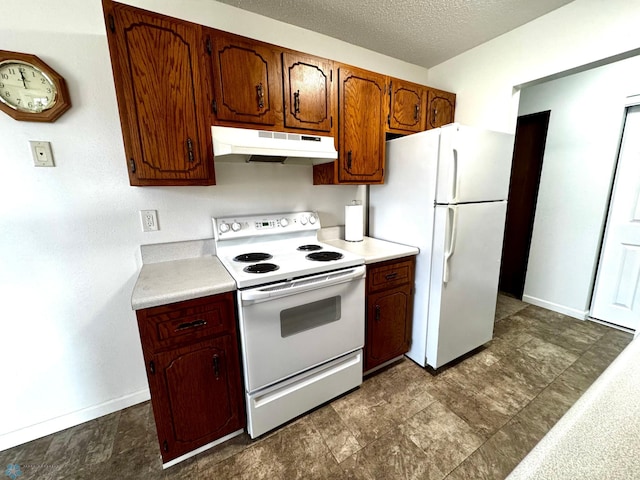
(389, 310)
(193, 367)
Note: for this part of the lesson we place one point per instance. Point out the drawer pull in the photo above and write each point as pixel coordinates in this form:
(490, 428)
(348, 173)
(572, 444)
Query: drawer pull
(391, 276)
(195, 323)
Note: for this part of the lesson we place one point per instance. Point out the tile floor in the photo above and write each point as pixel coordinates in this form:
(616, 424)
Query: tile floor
(474, 420)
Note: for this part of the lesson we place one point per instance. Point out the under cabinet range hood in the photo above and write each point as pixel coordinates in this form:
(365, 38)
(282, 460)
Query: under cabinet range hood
(231, 144)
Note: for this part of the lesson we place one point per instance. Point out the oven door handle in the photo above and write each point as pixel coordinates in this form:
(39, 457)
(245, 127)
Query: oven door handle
(292, 287)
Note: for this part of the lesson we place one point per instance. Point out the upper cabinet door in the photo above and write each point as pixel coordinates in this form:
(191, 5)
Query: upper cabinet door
(246, 79)
(362, 113)
(407, 106)
(158, 66)
(308, 85)
(440, 108)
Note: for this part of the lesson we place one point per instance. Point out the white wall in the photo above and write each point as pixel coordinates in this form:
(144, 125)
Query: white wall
(566, 234)
(70, 235)
(579, 33)
(587, 113)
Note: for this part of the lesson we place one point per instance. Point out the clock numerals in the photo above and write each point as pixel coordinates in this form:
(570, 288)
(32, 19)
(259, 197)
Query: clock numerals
(30, 90)
(26, 88)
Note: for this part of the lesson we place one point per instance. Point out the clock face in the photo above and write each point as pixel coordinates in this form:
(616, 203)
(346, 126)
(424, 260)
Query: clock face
(25, 87)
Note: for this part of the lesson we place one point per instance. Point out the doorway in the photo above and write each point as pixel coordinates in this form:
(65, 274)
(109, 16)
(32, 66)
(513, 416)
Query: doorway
(526, 168)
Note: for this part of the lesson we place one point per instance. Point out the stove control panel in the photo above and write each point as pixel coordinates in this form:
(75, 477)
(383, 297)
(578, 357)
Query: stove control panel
(261, 225)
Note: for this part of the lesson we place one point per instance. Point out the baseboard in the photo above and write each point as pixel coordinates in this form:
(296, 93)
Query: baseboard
(195, 452)
(571, 312)
(39, 430)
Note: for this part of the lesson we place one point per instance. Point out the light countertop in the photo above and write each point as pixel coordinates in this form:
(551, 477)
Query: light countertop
(165, 278)
(176, 280)
(374, 250)
(599, 436)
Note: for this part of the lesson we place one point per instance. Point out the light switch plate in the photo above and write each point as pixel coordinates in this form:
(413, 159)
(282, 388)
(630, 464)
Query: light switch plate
(42, 156)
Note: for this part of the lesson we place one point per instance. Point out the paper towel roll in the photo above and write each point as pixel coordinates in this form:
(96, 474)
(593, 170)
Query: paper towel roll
(353, 222)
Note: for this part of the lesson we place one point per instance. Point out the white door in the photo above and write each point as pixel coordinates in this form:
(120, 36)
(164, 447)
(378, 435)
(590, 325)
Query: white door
(616, 298)
(467, 247)
(474, 165)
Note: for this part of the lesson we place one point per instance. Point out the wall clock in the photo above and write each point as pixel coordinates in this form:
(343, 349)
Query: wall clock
(30, 89)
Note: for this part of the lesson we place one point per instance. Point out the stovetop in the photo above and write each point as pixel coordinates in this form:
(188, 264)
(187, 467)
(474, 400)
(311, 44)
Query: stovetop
(261, 249)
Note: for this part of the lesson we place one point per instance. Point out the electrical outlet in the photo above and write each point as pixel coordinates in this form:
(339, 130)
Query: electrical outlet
(149, 220)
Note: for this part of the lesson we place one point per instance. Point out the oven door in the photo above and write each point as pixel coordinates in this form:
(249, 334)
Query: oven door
(290, 327)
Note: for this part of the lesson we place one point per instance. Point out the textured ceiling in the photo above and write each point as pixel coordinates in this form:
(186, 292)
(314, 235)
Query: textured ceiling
(422, 32)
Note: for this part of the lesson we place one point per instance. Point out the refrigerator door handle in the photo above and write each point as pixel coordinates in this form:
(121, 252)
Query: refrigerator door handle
(454, 177)
(452, 216)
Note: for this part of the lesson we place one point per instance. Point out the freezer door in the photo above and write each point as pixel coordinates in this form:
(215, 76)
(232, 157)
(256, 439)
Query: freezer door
(464, 278)
(474, 165)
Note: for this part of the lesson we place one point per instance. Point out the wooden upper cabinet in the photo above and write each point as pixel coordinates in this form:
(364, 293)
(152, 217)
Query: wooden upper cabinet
(361, 115)
(308, 96)
(407, 103)
(440, 108)
(159, 71)
(246, 80)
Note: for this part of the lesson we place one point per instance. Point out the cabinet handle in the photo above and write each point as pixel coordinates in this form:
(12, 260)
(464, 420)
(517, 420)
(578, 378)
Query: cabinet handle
(377, 313)
(435, 116)
(152, 367)
(349, 160)
(391, 276)
(296, 102)
(112, 23)
(132, 165)
(260, 91)
(196, 323)
(190, 149)
(165, 446)
(216, 366)
(416, 115)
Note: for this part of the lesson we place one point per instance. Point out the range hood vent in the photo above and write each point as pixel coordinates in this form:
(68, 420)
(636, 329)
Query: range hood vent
(273, 147)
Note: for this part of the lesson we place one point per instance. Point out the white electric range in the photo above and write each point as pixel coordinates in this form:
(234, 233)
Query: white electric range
(301, 309)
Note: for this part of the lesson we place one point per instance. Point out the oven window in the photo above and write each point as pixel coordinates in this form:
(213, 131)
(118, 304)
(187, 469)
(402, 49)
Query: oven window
(310, 315)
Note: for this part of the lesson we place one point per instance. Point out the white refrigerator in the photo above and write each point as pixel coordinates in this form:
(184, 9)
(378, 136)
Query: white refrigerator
(445, 192)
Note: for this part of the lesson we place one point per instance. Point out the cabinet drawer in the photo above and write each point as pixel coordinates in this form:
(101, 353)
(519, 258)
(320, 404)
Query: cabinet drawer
(390, 274)
(183, 322)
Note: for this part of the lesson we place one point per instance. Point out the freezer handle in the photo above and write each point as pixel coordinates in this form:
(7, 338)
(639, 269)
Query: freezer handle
(452, 216)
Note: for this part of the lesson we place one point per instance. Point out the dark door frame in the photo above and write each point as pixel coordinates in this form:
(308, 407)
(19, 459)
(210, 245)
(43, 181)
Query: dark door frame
(526, 169)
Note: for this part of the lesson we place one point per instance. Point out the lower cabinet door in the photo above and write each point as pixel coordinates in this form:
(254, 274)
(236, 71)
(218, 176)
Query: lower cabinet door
(196, 395)
(388, 325)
